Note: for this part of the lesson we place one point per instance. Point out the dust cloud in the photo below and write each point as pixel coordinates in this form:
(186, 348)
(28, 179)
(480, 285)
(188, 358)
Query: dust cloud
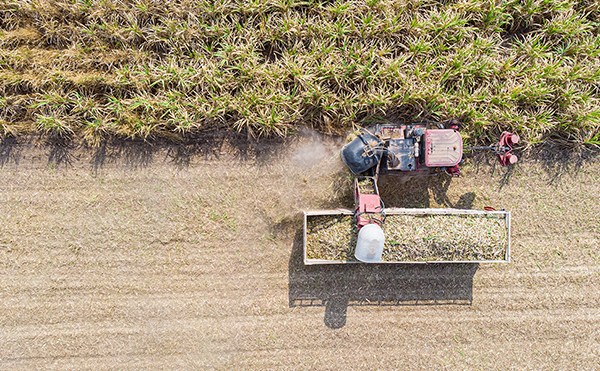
(314, 149)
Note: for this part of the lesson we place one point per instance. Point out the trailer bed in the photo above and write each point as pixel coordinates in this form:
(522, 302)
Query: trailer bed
(412, 236)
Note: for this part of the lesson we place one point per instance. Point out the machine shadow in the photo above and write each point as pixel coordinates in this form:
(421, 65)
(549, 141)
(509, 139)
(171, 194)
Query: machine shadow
(336, 287)
(416, 191)
(141, 153)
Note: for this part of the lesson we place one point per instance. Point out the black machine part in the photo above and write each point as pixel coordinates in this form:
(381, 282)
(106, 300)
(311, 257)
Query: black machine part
(363, 153)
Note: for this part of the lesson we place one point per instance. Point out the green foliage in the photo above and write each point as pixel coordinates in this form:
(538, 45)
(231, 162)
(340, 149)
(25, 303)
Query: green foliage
(154, 68)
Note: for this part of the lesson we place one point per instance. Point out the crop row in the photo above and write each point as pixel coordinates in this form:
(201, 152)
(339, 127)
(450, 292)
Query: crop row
(164, 68)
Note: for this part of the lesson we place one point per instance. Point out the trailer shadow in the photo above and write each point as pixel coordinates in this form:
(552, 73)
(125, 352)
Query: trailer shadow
(336, 287)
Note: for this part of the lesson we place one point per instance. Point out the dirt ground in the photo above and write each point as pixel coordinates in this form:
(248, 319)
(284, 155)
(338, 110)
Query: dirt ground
(154, 256)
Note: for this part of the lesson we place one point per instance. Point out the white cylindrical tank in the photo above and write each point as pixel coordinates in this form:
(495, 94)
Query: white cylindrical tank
(369, 245)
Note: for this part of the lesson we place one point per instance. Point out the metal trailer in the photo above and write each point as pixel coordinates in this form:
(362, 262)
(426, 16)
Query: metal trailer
(413, 213)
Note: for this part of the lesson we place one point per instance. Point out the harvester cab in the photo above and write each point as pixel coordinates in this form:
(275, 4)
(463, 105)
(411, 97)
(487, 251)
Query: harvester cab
(397, 149)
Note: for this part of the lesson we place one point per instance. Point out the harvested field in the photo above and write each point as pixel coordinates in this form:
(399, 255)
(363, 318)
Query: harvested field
(413, 238)
(189, 257)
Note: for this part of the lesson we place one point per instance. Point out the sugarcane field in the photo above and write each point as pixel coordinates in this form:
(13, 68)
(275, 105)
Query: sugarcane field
(299, 185)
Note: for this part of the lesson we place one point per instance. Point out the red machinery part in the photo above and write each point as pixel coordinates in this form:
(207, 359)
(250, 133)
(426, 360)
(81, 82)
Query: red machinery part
(443, 147)
(507, 158)
(453, 170)
(508, 139)
(367, 204)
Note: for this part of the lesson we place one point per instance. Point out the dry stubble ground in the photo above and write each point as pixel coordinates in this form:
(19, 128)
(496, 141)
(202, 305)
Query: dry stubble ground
(136, 256)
